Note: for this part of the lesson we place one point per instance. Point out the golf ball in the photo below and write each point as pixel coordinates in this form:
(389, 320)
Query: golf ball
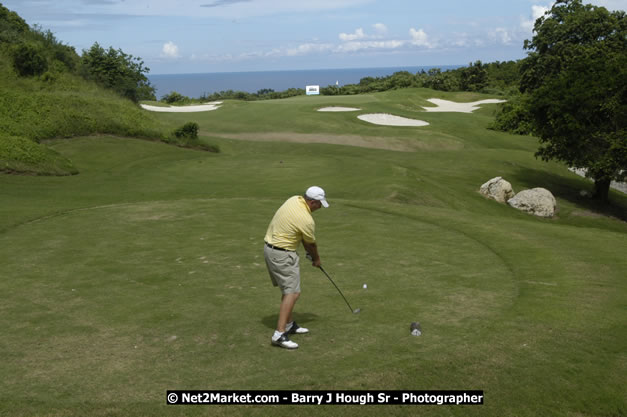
(365, 286)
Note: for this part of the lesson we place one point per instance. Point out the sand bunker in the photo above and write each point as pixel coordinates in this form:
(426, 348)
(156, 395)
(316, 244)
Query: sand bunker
(390, 120)
(214, 105)
(331, 109)
(451, 106)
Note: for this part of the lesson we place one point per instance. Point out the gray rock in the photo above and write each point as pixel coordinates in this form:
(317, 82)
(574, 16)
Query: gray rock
(497, 189)
(537, 201)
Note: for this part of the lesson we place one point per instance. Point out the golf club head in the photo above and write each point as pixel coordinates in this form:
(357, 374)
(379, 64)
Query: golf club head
(356, 311)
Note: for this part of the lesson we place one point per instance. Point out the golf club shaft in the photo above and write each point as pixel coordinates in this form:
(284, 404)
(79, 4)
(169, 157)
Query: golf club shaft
(338, 289)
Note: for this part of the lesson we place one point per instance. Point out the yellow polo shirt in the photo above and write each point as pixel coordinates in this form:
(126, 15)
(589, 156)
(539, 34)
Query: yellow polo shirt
(291, 224)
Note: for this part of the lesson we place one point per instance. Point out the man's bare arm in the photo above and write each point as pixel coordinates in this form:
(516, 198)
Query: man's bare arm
(312, 250)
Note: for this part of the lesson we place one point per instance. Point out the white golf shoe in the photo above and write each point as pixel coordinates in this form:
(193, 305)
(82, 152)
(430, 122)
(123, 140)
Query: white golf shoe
(284, 342)
(296, 329)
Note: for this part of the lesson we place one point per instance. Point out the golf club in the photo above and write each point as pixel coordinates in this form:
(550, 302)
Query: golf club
(355, 311)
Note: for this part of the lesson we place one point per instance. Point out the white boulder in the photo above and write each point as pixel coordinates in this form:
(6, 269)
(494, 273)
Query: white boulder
(497, 189)
(537, 201)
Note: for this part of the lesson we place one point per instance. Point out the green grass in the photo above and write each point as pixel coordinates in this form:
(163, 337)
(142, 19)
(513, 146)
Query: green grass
(145, 272)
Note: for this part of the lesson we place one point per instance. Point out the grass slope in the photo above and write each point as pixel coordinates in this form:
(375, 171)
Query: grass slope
(145, 273)
(61, 105)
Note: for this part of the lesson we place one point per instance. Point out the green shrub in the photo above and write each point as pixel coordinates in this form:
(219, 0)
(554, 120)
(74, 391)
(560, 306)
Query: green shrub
(28, 59)
(175, 97)
(187, 136)
(513, 118)
(188, 130)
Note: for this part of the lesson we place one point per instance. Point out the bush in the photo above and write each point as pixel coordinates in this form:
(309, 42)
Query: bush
(513, 118)
(187, 137)
(188, 131)
(175, 97)
(28, 59)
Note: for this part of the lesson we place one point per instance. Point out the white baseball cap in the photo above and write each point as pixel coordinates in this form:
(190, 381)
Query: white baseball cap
(317, 193)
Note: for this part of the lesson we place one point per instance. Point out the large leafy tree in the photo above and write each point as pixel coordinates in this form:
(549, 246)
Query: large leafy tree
(575, 80)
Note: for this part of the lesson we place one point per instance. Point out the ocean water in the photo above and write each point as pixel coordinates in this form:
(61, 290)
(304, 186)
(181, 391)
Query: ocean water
(195, 85)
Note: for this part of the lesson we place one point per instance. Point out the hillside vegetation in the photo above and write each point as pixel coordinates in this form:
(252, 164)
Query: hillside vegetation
(48, 91)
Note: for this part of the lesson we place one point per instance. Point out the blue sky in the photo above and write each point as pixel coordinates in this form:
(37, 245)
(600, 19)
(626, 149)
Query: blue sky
(196, 36)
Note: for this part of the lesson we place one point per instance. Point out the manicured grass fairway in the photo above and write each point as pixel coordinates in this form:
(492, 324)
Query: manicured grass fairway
(145, 272)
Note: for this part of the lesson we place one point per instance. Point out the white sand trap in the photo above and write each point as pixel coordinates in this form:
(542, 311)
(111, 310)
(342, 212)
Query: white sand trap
(451, 106)
(339, 109)
(184, 109)
(390, 120)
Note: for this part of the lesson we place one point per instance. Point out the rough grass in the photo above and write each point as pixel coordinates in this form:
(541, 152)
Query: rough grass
(62, 106)
(145, 272)
(67, 106)
(21, 155)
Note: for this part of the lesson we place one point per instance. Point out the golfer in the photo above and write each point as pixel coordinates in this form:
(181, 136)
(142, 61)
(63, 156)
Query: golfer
(291, 225)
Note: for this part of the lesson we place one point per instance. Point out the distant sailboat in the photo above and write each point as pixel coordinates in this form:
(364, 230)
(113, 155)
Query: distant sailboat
(337, 82)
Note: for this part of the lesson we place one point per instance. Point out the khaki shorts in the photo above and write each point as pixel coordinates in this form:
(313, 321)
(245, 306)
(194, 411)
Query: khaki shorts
(283, 268)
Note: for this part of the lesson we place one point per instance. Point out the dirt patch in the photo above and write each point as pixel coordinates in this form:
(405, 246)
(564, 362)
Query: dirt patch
(373, 142)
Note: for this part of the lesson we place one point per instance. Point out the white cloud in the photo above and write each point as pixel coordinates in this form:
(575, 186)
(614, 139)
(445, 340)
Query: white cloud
(307, 49)
(359, 34)
(537, 11)
(501, 35)
(170, 50)
(380, 28)
(419, 38)
(359, 46)
(358, 41)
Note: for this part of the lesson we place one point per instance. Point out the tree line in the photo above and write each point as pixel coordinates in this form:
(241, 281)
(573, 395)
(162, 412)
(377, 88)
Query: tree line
(494, 78)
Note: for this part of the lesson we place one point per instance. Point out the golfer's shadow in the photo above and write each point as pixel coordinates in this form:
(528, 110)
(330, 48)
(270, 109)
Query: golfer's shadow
(301, 318)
